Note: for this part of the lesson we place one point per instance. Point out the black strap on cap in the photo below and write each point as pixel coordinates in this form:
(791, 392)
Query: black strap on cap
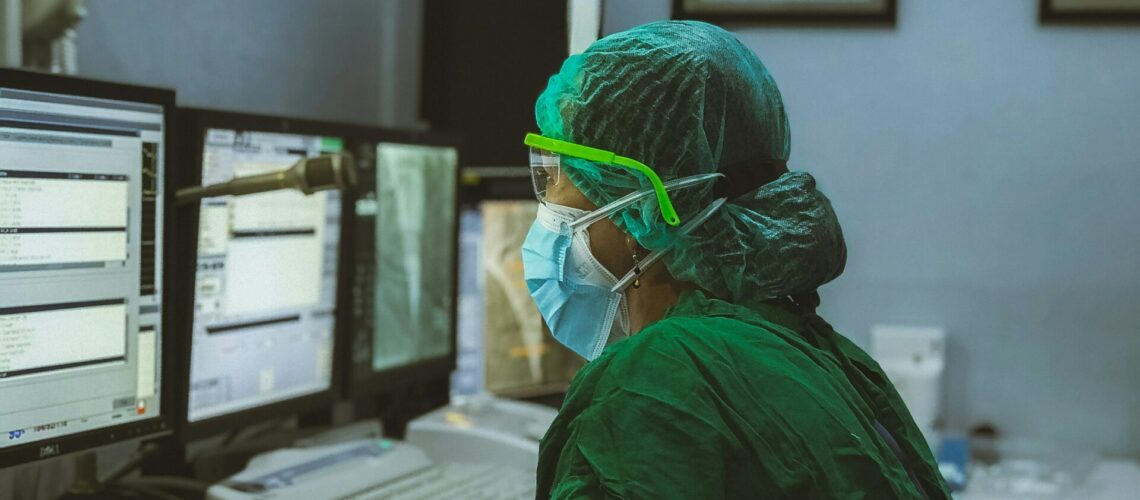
(745, 177)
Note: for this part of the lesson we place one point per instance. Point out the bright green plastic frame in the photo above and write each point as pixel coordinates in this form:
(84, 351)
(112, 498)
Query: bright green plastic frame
(602, 156)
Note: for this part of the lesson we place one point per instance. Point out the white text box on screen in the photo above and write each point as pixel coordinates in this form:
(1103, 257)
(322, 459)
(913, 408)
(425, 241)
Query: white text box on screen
(33, 249)
(213, 229)
(122, 157)
(272, 273)
(43, 340)
(276, 211)
(54, 203)
(146, 363)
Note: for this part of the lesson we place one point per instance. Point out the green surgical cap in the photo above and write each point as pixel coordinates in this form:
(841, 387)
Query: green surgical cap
(688, 98)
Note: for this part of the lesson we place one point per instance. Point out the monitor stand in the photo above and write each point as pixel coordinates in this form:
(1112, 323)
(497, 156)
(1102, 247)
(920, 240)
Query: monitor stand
(86, 485)
(86, 482)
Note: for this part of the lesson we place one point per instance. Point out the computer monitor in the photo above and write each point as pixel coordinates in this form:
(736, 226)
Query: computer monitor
(81, 264)
(404, 237)
(505, 349)
(263, 328)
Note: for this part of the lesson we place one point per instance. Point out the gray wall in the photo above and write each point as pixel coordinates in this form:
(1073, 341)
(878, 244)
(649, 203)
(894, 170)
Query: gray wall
(985, 169)
(299, 58)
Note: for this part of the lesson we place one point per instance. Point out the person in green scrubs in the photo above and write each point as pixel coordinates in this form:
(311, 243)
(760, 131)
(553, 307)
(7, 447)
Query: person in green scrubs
(676, 252)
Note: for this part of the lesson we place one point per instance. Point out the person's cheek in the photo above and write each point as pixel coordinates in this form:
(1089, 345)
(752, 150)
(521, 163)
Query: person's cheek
(607, 243)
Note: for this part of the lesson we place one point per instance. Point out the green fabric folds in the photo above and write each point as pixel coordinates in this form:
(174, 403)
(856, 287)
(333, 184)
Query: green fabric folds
(722, 401)
(688, 98)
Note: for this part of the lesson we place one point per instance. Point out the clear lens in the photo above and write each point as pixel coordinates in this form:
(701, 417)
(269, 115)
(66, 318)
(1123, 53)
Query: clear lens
(544, 171)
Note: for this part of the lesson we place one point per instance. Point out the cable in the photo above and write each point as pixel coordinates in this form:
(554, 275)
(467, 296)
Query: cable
(253, 431)
(231, 436)
(167, 483)
(124, 491)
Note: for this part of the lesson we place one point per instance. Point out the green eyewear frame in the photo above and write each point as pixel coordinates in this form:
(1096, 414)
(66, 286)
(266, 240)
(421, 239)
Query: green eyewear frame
(602, 156)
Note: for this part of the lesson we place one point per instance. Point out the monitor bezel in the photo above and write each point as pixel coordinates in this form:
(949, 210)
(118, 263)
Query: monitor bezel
(163, 423)
(194, 123)
(367, 383)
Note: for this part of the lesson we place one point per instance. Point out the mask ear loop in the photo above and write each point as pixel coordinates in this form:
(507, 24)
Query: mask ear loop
(653, 257)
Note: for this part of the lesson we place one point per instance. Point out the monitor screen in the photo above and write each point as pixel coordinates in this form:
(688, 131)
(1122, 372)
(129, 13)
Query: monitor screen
(504, 347)
(265, 282)
(470, 371)
(405, 256)
(81, 215)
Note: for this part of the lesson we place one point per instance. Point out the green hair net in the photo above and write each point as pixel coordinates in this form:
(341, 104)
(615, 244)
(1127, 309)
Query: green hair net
(688, 98)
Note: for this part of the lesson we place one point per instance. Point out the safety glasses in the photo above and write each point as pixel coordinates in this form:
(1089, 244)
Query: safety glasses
(546, 165)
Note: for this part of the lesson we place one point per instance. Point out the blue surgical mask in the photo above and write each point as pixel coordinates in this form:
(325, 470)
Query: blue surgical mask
(572, 290)
(583, 303)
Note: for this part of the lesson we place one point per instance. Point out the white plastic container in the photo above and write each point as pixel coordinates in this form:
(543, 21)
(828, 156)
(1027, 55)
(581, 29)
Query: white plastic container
(914, 358)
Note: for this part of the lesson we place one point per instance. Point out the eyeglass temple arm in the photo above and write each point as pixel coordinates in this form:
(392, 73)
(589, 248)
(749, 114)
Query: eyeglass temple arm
(667, 211)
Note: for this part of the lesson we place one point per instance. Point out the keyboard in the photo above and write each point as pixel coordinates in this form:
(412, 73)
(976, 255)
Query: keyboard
(460, 481)
(374, 468)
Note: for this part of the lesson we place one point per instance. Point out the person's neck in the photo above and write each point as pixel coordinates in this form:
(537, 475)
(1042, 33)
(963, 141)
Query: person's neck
(658, 291)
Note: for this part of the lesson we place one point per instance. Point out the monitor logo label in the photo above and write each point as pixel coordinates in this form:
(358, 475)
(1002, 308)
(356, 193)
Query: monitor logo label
(50, 450)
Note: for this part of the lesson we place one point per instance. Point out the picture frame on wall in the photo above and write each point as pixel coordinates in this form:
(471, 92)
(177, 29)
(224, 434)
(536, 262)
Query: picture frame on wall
(787, 11)
(1060, 11)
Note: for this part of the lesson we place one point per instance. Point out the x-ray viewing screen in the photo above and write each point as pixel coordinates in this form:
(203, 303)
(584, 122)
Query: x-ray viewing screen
(413, 209)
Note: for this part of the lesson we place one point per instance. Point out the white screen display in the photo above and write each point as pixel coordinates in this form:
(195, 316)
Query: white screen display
(265, 287)
(80, 263)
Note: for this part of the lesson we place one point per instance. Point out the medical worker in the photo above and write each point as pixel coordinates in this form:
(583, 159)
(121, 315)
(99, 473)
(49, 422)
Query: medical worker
(676, 252)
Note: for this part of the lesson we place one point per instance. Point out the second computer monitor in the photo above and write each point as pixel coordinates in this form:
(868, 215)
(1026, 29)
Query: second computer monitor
(405, 252)
(264, 320)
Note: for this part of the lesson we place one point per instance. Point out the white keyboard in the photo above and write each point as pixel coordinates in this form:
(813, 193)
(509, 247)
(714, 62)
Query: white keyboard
(457, 481)
(371, 468)
(489, 431)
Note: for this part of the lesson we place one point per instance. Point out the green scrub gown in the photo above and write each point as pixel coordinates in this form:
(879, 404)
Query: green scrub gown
(721, 401)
